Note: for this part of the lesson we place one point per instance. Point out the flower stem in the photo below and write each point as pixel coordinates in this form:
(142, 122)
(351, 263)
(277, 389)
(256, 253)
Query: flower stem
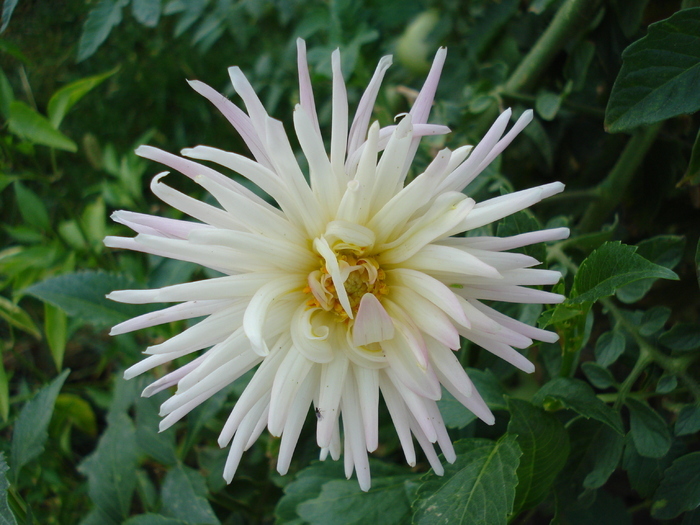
(614, 187)
(572, 18)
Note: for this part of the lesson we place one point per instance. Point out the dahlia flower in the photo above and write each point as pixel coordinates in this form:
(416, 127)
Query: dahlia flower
(352, 284)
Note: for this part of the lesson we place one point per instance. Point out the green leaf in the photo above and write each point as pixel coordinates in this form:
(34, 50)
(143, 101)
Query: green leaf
(28, 124)
(680, 489)
(65, 98)
(645, 474)
(547, 104)
(609, 347)
(666, 250)
(307, 486)
(18, 318)
(6, 95)
(184, 497)
(596, 450)
(682, 337)
(153, 519)
(574, 394)
(31, 207)
(545, 446)
(31, 427)
(342, 502)
(454, 413)
(666, 384)
(82, 295)
(56, 328)
(99, 24)
(613, 265)
(598, 376)
(478, 489)
(692, 174)
(688, 421)
(157, 445)
(659, 76)
(6, 516)
(147, 12)
(650, 432)
(111, 469)
(523, 222)
(8, 6)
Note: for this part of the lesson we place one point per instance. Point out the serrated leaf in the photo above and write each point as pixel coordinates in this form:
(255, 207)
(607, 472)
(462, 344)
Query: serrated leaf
(659, 76)
(31, 428)
(545, 447)
(18, 318)
(342, 502)
(454, 413)
(30, 125)
(682, 337)
(478, 489)
(31, 207)
(596, 450)
(147, 12)
(6, 515)
(688, 421)
(83, 294)
(99, 24)
(183, 496)
(111, 469)
(65, 98)
(576, 395)
(613, 265)
(680, 489)
(306, 486)
(650, 433)
(609, 347)
(645, 474)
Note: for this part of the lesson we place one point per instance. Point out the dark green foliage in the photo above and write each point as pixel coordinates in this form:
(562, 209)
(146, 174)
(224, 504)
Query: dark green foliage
(605, 431)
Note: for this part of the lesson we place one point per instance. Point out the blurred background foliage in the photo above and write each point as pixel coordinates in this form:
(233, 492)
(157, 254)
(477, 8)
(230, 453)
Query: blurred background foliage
(608, 423)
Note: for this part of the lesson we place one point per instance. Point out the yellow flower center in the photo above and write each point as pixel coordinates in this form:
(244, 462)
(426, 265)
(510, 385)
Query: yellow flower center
(362, 275)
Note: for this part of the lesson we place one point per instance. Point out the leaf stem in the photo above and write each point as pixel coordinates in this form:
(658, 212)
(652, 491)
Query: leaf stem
(611, 190)
(571, 19)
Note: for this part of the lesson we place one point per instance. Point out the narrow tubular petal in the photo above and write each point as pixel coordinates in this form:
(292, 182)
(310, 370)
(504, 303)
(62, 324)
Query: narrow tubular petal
(354, 433)
(431, 289)
(515, 325)
(415, 405)
(149, 224)
(515, 241)
(461, 176)
(295, 421)
(355, 204)
(372, 323)
(502, 261)
(364, 108)
(474, 402)
(447, 366)
(390, 167)
(243, 433)
(495, 209)
(333, 377)
(238, 119)
(511, 294)
(256, 110)
(428, 317)
(172, 378)
(220, 288)
(447, 259)
(192, 207)
(501, 350)
(323, 181)
(368, 396)
(255, 314)
(427, 446)
(399, 417)
(193, 170)
(283, 254)
(256, 218)
(187, 310)
(306, 93)
(257, 389)
(339, 129)
(421, 380)
(288, 380)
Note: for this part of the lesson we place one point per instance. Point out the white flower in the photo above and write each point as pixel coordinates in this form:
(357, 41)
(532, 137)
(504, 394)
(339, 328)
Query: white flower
(351, 286)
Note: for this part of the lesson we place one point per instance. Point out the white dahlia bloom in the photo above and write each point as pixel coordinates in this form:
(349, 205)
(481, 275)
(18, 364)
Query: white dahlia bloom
(353, 284)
